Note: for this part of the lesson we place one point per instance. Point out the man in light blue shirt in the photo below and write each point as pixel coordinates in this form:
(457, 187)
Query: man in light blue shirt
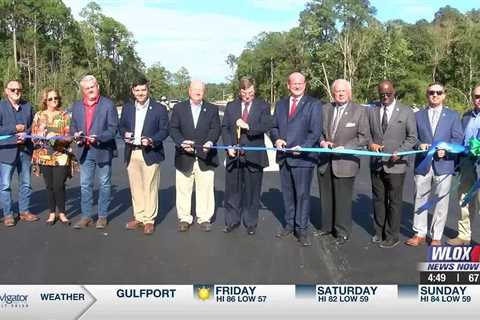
(469, 173)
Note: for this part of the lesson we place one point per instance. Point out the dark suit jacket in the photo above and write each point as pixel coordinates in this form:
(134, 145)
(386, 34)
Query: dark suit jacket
(182, 128)
(352, 133)
(303, 129)
(9, 147)
(104, 126)
(259, 122)
(449, 129)
(401, 135)
(155, 127)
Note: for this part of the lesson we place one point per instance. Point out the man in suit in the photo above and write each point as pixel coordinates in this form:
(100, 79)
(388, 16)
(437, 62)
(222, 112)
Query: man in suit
(435, 124)
(195, 127)
(249, 117)
(297, 124)
(95, 125)
(144, 126)
(469, 173)
(16, 116)
(345, 125)
(392, 129)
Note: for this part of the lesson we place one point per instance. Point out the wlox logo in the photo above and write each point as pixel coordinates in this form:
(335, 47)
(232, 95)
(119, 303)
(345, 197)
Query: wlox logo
(454, 254)
(13, 300)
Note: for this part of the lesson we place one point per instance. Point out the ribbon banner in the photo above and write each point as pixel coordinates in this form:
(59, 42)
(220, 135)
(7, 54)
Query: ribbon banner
(356, 152)
(37, 137)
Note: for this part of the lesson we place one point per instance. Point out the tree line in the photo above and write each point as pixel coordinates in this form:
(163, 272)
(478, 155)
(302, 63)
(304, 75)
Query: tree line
(344, 39)
(42, 45)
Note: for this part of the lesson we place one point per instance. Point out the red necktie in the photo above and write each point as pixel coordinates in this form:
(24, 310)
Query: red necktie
(293, 108)
(245, 113)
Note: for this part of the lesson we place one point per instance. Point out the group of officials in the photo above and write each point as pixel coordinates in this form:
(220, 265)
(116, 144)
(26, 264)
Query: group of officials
(299, 121)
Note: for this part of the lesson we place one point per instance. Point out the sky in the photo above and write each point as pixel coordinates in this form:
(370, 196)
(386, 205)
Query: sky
(200, 34)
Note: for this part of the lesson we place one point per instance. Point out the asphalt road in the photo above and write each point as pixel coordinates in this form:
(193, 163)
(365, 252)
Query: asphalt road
(34, 253)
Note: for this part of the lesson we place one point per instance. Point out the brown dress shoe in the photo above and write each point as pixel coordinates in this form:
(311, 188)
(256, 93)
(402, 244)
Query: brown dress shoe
(82, 223)
(415, 241)
(148, 229)
(28, 216)
(133, 224)
(435, 243)
(458, 242)
(9, 221)
(101, 223)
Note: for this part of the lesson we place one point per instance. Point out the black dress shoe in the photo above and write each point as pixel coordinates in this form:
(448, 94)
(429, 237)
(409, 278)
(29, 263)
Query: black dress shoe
(251, 230)
(390, 243)
(321, 233)
(284, 233)
(341, 240)
(376, 239)
(230, 228)
(304, 241)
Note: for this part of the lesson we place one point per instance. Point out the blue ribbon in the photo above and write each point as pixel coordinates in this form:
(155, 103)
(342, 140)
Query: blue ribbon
(320, 150)
(36, 137)
(470, 194)
(424, 166)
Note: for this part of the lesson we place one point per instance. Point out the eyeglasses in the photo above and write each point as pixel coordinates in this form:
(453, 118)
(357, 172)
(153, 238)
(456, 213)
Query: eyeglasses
(477, 96)
(385, 94)
(53, 98)
(433, 92)
(15, 89)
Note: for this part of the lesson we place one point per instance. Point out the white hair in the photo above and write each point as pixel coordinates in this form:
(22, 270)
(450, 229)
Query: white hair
(341, 81)
(88, 78)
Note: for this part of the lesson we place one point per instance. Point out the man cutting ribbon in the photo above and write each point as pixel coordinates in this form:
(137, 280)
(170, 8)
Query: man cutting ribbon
(435, 124)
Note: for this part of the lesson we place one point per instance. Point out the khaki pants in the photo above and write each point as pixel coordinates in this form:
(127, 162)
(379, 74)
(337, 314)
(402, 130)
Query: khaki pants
(204, 194)
(468, 175)
(423, 185)
(144, 184)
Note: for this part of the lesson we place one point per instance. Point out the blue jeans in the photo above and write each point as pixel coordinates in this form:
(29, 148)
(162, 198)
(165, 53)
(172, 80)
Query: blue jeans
(104, 175)
(23, 165)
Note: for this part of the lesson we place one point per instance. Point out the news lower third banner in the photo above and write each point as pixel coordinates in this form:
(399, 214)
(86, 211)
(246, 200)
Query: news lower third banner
(237, 301)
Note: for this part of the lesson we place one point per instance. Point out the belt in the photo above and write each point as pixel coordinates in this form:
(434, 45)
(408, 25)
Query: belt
(136, 148)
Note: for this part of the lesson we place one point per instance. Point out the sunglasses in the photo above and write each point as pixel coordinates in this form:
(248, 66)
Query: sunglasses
(53, 98)
(15, 89)
(385, 94)
(477, 96)
(433, 92)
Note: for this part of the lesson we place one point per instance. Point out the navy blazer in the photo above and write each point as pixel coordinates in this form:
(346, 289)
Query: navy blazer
(155, 127)
(303, 129)
(9, 147)
(259, 122)
(104, 126)
(182, 128)
(449, 129)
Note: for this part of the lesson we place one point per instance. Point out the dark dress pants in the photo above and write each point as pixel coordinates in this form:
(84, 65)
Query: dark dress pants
(336, 202)
(387, 189)
(296, 182)
(243, 188)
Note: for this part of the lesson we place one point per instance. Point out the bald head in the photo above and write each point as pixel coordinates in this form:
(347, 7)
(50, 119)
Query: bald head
(342, 91)
(196, 91)
(476, 97)
(296, 84)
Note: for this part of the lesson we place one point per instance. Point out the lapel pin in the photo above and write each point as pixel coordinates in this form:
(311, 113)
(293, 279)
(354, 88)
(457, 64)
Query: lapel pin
(204, 110)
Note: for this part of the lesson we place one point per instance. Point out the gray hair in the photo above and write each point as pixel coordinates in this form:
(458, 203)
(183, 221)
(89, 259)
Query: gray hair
(342, 81)
(88, 78)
